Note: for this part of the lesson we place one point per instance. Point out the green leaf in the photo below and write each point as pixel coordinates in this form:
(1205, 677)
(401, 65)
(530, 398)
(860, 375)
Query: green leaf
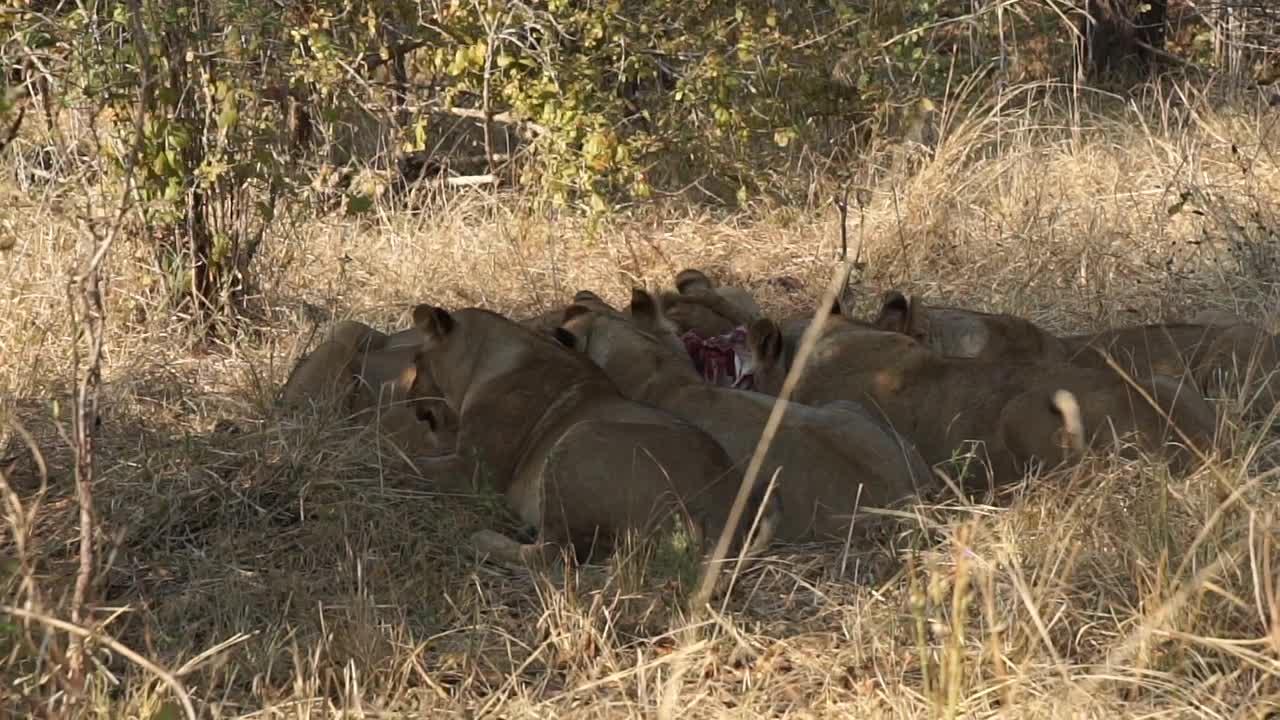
(478, 51)
(174, 161)
(358, 204)
(420, 134)
(167, 95)
(230, 112)
(168, 711)
(173, 190)
(231, 42)
(459, 63)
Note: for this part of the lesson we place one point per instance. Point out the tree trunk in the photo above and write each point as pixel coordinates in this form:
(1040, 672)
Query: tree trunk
(1121, 35)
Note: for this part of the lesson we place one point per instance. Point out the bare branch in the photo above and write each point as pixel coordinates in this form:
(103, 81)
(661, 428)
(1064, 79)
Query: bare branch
(471, 180)
(505, 118)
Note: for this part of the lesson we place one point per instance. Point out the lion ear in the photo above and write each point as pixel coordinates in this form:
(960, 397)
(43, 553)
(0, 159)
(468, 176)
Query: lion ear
(917, 319)
(645, 310)
(436, 322)
(764, 338)
(895, 313)
(689, 280)
(565, 337)
(426, 415)
(573, 311)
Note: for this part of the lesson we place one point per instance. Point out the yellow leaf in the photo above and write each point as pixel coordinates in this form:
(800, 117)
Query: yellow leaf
(230, 113)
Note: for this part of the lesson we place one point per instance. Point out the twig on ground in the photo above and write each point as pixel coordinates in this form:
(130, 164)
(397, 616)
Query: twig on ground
(167, 678)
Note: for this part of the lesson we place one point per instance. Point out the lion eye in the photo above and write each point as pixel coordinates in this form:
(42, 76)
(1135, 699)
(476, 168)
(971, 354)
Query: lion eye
(427, 416)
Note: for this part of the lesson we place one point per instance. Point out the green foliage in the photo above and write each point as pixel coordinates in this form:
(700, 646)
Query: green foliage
(610, 101)
(358, 204)
(206, 166)
(638, 96)
(168, 711)
(675, 557)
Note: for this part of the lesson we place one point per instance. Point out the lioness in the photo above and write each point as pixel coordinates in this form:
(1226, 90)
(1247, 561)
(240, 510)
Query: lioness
(550, 320)
(1247, 357)
(1206, 354)
(374, 377)
(325, 373)
(1020, 413)
(1213, 316)
(829, 461)
(573, 458)
(698, 306)
(960, 333)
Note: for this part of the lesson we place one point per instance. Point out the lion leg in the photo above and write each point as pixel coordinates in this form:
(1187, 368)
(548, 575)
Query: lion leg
(450, 472)
(498, 546)
(538, 555)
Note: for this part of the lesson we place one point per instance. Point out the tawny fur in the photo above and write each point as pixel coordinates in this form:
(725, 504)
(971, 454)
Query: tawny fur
(940, 403)
(373, 377)
(550, 320)
(699, 306)
(828, 460)
(1222, 352)
(544, 427)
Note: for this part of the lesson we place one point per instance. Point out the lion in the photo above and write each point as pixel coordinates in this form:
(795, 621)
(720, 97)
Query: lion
(1020, 414)
(550, 320)
(392, 392)
(324, 375)
(1214, 316)
(959, 333)
(829, 461)
(374, 378)
(1240, 358)
(700, 307)
(1211, 354)
(1243, 359)
(573, 458)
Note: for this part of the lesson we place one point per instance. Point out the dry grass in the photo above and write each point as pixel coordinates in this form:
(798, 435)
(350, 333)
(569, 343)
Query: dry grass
(286, 567)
